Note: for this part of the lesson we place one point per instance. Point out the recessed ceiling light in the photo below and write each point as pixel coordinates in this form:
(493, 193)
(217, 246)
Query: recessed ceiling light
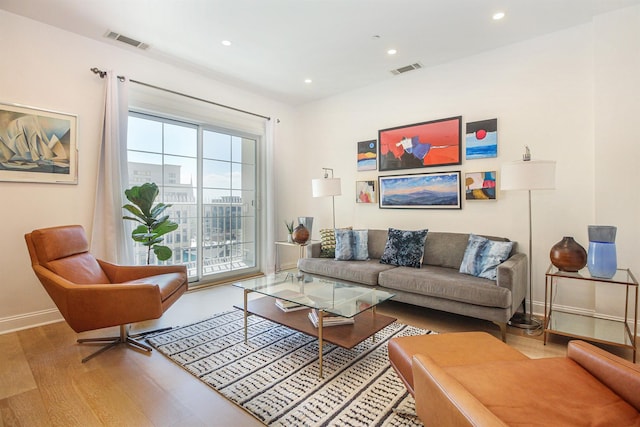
(308, 81)
(392, 51)
(226, 43)
(498, 16)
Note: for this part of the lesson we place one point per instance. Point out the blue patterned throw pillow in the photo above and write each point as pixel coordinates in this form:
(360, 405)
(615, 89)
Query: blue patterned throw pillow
(404, 248)
(352, 245)
(482, 256)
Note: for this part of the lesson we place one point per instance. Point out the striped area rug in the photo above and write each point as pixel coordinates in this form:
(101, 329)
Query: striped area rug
(275, 375)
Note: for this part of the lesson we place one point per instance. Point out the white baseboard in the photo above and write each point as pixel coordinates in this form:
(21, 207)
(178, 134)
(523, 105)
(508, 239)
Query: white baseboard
(29, 320)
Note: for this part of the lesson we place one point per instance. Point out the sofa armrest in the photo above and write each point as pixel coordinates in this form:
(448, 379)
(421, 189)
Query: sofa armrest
(620, 375)
(442, 401)
(512, 274)
(313, 250)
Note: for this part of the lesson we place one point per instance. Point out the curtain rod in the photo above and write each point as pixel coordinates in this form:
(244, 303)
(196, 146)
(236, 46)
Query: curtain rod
(102, 74)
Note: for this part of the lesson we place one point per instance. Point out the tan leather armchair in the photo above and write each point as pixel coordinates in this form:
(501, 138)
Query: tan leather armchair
(93, 294)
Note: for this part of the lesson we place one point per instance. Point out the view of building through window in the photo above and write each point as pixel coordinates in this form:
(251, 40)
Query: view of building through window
(212, 193)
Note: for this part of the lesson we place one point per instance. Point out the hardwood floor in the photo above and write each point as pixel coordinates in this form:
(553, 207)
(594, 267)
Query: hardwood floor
(43, 383)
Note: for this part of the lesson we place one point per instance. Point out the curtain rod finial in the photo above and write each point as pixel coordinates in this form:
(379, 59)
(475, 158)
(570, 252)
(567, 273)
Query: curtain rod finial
(98, 71)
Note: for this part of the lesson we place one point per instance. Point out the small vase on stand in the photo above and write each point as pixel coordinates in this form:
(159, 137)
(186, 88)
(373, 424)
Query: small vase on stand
(300, 234)
(568, 255)
(307, 221)
(602, 259)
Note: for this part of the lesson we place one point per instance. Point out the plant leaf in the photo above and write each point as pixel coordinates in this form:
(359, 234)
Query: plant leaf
(162, 252)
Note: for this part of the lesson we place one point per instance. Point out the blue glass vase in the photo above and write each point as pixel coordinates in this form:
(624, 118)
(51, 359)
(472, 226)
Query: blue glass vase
(602, 259)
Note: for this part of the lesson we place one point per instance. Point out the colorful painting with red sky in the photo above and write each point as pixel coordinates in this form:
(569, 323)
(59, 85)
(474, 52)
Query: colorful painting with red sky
(434, 143)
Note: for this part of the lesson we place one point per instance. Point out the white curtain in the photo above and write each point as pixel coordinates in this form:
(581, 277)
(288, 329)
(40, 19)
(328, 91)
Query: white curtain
(269, 196)
(110, 239)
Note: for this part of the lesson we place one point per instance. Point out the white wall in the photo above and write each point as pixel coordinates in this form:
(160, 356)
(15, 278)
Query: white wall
(50, 69)
(544, 93)
(617, 141)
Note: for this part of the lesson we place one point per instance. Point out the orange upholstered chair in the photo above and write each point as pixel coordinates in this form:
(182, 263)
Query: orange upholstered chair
(93, 294)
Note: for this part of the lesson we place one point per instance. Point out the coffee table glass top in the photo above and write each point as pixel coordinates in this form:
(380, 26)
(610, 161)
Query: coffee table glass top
(334, 297)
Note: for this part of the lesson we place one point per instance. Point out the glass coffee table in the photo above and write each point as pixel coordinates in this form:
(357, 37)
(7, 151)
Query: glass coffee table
(349, 309)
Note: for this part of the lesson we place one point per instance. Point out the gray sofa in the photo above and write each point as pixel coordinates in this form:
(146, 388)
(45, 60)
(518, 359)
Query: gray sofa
(438, 284)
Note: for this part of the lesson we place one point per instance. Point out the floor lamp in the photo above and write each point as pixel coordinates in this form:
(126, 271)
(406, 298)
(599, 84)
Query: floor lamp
(325, 187)
(528, 174)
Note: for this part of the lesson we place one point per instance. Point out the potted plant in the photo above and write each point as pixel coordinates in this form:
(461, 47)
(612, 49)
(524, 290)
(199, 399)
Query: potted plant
(289, 226)
(153, 224)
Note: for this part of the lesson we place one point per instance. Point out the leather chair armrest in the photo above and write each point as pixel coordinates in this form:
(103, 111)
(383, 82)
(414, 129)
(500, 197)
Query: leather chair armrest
(620, 375)
(121, 274)
(443, 401)
(97, 306)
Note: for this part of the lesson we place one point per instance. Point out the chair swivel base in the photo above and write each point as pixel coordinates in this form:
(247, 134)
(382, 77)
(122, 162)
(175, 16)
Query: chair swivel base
(124, 338)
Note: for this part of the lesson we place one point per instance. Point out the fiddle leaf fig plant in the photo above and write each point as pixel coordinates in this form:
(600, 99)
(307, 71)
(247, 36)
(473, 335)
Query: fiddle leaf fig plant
(153, 222)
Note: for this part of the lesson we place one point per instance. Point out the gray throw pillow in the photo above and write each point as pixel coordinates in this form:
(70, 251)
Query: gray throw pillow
(404, 248)
(483, 256)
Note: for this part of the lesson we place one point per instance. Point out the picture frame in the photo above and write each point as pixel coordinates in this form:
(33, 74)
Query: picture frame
(421, 145)
(367, 155)
(481, 139)
(438, 190)
(38, 145)
(366, 192)
(480, 185)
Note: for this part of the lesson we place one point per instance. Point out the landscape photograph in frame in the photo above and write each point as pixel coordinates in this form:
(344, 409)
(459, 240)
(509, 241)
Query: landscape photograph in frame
(440, 190)
(421, 145)
(37, 145)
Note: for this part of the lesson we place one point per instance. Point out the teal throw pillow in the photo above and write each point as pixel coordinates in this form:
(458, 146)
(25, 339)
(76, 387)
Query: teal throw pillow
(352, 245)
(404, 248)
(482, 256)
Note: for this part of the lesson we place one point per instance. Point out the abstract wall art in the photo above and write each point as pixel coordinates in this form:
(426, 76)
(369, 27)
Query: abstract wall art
(482, 139)
(420, 145)
(366, 192)
(480, 185)
(367, 155)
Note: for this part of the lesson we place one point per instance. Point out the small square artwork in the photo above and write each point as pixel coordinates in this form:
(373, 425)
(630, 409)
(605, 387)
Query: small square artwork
(482, 139)
(367, 155)
(480, 185)
(366, 192)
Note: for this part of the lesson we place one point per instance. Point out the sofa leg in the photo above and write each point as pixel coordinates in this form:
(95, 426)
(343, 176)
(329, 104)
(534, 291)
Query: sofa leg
(503, 330)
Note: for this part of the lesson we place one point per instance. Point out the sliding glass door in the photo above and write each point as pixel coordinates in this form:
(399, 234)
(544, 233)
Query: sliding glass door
(208, 175)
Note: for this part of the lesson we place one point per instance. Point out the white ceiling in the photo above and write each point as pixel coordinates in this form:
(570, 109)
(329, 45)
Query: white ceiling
(340, 44)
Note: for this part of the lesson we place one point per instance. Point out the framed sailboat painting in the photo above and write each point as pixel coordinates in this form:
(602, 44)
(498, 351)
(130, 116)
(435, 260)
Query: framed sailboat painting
(38, 145)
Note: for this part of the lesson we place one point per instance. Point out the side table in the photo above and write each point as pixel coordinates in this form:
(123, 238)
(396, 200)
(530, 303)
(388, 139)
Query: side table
(287, 243)
(591, 328)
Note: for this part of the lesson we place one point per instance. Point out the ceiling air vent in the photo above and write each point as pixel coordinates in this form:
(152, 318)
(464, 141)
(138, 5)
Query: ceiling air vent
(128, 40)
(406, 68)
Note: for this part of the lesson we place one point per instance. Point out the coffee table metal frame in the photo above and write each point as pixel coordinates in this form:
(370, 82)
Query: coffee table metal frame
(366, 321)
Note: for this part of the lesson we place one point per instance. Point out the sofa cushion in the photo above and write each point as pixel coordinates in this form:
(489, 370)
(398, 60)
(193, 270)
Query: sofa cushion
(377, 241)
(447, 249)
(557, 391)
(351, 245)
(362, 272)
(482, 256)
(447, 283)
(404, 248)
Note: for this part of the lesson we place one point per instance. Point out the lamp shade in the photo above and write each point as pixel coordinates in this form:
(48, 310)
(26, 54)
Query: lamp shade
(528, 175)
(324, 187)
